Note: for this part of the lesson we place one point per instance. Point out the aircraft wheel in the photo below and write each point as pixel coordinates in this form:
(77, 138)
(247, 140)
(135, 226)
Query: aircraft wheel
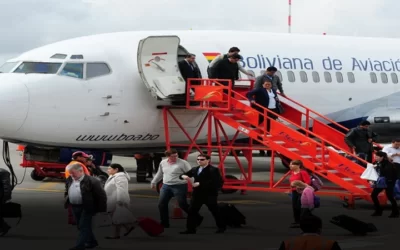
(36, 177)
(230, 191)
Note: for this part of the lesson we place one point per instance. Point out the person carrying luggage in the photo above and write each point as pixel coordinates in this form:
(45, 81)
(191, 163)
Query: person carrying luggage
(297, 173)
(207, 183)
(387, 178)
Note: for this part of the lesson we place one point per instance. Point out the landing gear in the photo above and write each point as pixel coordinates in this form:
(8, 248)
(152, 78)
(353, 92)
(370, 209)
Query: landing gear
(36, 176)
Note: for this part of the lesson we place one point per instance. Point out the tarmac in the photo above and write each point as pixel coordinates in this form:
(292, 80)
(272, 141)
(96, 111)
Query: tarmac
(44, 223)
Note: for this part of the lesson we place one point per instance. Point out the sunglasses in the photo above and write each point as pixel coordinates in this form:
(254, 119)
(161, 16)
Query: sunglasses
(201, 159)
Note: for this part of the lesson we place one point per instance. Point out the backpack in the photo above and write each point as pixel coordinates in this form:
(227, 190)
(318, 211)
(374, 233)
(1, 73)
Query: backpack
(317, 202)
(316, 182)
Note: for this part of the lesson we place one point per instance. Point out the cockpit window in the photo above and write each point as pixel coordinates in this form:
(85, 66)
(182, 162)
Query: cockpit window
(96, 69)
(59, 56)
(38, 68)
(73, 70)
(7, 67)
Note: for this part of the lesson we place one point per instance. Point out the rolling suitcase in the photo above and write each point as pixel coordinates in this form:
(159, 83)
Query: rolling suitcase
(150, 226)
(353, 225)
(231, 215)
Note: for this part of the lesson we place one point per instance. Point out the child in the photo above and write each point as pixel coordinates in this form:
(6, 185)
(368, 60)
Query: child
(307, 196)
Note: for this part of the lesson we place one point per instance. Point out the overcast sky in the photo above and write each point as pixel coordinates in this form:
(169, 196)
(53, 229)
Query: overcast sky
(26, 24)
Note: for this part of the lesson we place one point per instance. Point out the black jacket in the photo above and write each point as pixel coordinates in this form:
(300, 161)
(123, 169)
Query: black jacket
(358, 137)
(187, 71)
(387, 169)
(261, 97)
(224, 69)
(94, 198)
(210, 180)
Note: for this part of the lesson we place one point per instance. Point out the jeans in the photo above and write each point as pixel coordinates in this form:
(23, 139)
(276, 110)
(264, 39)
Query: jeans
(296, 206)
(166, 193)
(84, 222)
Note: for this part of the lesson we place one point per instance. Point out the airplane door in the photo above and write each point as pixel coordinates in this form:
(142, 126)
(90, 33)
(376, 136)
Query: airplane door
(158, 66)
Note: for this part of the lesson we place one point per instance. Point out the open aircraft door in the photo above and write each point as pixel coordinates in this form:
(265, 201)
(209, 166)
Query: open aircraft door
(158, 66)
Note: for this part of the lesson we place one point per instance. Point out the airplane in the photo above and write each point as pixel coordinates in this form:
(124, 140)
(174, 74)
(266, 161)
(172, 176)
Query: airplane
(101, 91)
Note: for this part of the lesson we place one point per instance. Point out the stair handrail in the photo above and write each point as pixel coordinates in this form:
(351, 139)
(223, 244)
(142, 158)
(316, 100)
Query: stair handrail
(296, 125)
(265, 111)
(320, 116)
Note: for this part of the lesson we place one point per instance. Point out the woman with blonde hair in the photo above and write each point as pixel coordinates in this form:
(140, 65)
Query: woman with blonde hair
(118, 200)
(307, 198)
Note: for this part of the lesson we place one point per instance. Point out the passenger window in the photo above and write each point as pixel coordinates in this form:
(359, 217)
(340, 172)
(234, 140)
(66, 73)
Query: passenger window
(291, 77)
(394, 78)
(315, 76)
(351, 77)
(374, 79)
(328, 77)
(384, 78)
(279, 74)
(303, 76)
(73, 70)
(96, 69)
(339, 77)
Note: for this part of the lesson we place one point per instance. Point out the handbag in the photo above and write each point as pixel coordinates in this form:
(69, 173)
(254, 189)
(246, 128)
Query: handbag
(370, 173)
(122, 215)
(381, 183)
(280, 108)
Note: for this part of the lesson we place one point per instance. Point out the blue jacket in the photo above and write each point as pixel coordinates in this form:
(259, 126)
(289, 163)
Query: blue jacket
(261, 96)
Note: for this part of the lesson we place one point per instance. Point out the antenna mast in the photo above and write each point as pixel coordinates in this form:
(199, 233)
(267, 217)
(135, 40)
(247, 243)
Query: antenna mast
(290, 16)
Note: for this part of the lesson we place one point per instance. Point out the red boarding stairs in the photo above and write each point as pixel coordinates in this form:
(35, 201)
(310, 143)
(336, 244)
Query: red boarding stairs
(319, 148)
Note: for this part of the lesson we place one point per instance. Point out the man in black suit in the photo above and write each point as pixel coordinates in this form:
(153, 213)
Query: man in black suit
(207, 183)
(188, 69)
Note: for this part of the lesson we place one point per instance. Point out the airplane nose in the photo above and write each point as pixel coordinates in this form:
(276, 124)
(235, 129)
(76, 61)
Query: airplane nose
(14, 104)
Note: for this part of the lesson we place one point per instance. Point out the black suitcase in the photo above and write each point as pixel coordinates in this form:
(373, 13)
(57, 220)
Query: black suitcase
(353, 225)
(231, 215)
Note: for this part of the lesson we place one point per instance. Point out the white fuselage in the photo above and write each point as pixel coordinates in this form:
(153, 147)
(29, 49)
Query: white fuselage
(117, 111)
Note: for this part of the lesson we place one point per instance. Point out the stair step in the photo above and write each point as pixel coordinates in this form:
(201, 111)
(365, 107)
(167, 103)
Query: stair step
(322, 155)
(279, 142)
(347, 179)
(361, 186)
(293, 149)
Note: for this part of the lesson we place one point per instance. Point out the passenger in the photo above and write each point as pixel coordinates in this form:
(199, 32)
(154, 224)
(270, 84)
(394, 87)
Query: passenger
(118, 199)
(387, 178)
(270, 74)
(207, 183)
(87, 198)
(227, 69)
(311, 238)
(393, 152)
(297, 174)
(96, 170)
(233, 50)
(169, 171)
(188, 68)
(268, 99)
(4, 227)
(360, 141)
(307, 197)
(78, 157)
